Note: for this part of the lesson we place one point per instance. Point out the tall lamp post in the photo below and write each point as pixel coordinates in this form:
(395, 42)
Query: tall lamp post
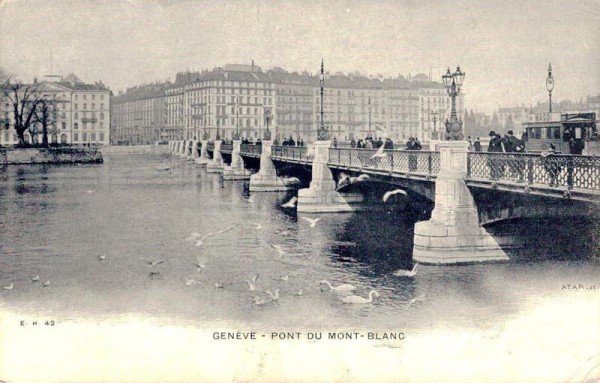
(550, 86)
(237, 118)
(434, 134)
(453, 82)
(322, 133)
(267, 135)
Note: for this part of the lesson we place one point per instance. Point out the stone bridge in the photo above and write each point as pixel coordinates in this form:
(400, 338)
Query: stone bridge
(467, 190)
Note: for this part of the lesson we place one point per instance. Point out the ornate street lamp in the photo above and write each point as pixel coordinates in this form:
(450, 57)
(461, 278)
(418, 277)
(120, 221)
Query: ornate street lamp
(267, 135)
(218, 130)
(453, 82)
(550, 86)
(322, 133)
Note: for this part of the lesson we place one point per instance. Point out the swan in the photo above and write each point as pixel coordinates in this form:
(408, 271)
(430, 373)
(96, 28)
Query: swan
(102, 257)
(9, 287)
(258, 226)
(252, 284)
(363, 177)
(312, 222)
(343, 287)
(284, 278)
(358, 299)
(300, 293)
(35, 279)
(388, 194)
(274, 297)
(407, 273)
(46, 284)
(190, 282)
(291, 202)
(218, 285)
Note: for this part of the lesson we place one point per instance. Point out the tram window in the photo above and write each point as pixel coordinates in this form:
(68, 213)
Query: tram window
(577, 132)
(537, 133)
(556, 133)
(548, 132)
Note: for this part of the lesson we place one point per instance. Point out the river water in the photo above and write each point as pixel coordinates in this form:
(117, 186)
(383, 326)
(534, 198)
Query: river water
(55, 221)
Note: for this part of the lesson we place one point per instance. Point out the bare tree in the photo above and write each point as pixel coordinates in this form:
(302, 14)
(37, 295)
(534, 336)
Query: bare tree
(24, 99)
(46, 116)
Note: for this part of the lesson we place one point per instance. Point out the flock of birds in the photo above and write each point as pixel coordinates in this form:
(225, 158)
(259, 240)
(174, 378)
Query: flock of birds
(200, 263)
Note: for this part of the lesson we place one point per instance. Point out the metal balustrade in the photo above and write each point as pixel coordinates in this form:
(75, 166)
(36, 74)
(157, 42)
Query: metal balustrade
(395, 161)
(250, 150)
(294, 153)
(555, 170)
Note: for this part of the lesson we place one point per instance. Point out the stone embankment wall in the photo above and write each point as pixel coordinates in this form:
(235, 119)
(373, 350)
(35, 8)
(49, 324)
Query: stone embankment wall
(14, 156)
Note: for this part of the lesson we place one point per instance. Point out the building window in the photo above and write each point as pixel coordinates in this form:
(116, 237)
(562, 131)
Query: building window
(84, 105)
(76, 125)
(93, 106)
(101, 106)
(93, 96)
(76, 115)
(93, 137)
(76, 106)
(76, 97)
(84, 96)
(64, 125)
(102, 137)
(84, 137)
(75, 137)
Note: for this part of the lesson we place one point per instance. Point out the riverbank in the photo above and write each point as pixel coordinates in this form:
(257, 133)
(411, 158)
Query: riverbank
(61, 155)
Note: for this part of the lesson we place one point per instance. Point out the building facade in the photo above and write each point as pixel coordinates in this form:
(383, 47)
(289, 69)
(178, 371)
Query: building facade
(242, 98)
(79, 113)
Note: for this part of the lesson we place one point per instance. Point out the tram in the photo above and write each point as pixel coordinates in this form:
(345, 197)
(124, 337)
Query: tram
(568, 132)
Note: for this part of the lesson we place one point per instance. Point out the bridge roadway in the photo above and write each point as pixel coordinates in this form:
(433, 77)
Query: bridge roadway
(468, 189)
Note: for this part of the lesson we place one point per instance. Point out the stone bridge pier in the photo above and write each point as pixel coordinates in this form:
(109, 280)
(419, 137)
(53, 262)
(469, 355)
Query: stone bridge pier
(322, 196)
(236, 170)
(266, 179)
(216, 165)
(454, 235)
(202, 158)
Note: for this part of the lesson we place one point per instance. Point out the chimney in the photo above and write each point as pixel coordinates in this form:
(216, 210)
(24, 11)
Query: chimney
(252, 71)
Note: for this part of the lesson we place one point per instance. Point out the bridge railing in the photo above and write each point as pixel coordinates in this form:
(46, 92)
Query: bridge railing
(399, 161)
(250, 149)
(299, 153)
(226, 148)
(579, 172)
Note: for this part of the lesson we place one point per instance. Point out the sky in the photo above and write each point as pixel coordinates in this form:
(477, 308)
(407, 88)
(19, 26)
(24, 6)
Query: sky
(503, 46)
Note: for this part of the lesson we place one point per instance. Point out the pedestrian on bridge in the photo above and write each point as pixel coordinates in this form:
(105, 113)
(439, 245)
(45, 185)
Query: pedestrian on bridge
(551, 164)
(495, 163)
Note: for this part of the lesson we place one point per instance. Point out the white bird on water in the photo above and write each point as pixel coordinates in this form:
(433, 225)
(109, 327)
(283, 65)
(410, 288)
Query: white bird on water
(312, 222)
(258, 300)
(284, 278)
(299, 293)
(46, 284)
(258, 226)
(191, 282)
(102, 257)
(200, 264)
(407, 273)
(388, 194)
(291, 203)
(9, 287)
(252, 284)
(218, 285)
(154, 263)
(35, 279)
(342, 287)
(360, 300)
(363, 177)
